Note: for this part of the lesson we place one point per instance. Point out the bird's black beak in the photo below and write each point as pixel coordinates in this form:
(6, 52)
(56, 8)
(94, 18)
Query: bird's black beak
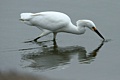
(94, 29)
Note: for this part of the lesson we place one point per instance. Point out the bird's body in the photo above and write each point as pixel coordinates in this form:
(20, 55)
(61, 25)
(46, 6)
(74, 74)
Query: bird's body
(54, 22)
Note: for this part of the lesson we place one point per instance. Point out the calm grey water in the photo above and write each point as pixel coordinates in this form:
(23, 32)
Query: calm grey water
(76, 57)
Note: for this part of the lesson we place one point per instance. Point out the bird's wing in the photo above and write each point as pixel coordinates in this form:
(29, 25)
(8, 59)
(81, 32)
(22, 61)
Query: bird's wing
(36, 14)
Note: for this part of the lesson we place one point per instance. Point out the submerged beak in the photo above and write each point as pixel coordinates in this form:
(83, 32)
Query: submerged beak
(94, 29)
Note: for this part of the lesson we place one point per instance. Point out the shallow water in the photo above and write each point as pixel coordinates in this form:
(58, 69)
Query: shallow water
(71, 57)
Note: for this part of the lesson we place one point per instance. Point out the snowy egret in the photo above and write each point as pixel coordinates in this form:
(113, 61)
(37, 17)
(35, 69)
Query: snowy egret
(54, 22)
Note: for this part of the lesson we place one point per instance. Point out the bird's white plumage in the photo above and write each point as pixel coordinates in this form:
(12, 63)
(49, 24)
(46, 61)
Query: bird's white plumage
(54, 22)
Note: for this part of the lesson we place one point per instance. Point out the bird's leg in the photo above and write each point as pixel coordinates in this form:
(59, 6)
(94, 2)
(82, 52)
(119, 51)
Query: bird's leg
(45, 32)
(36, 39)
(54, 36)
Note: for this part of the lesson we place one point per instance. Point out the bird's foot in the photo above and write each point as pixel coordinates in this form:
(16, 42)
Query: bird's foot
(32, 41)
(35, 40)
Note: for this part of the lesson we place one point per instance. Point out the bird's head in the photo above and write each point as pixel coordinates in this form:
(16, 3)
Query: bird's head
(90, 25)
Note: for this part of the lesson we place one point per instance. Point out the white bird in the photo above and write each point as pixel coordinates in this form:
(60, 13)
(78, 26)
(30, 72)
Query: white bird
(54, 22)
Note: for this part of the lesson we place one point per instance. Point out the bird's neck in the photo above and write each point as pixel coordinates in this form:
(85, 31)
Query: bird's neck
(76, 29)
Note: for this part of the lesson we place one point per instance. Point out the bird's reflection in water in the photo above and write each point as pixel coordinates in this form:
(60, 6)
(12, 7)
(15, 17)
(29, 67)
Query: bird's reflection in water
(52, 57)
(84, 58)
